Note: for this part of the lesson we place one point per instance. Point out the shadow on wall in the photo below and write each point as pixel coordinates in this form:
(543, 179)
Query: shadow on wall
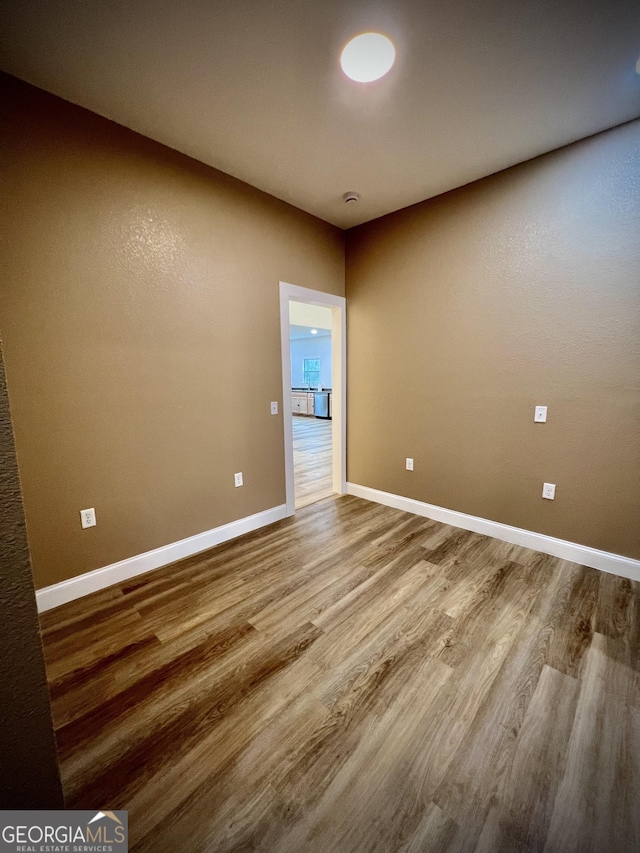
(29, 777)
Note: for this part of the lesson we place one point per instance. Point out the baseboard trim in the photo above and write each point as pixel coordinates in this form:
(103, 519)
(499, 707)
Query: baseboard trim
(615, 564)
(60, 593)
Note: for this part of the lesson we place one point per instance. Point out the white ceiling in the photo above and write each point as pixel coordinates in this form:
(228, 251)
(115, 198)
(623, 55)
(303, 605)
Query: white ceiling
(296, 333)
(254, 87)
(310, 315)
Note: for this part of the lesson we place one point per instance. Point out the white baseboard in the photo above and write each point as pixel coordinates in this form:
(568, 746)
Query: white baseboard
(61, 593)
(613, 563)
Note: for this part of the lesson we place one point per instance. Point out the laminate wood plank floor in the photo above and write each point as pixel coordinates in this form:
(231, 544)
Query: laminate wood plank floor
(312, 460)
(355, 679)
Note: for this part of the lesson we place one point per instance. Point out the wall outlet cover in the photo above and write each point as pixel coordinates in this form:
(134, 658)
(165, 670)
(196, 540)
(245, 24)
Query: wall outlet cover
(237, 478)
(274, 408)
(88, 518)
(409, 464)
(549, 491)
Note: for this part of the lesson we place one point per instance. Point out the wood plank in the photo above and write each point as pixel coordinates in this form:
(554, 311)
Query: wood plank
(373, 803)
(520, 818)
(597, 803)
(574, 637)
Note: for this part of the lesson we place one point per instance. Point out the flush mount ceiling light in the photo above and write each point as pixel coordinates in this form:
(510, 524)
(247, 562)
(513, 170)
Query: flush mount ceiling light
(314, 331)
(368, 57)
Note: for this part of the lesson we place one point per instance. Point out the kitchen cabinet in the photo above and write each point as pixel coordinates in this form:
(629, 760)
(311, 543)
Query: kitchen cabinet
(299, 404)
(302, 403)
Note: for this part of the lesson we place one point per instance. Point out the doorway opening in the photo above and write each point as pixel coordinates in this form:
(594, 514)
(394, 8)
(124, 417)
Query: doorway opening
(313, 331)
(311, 408)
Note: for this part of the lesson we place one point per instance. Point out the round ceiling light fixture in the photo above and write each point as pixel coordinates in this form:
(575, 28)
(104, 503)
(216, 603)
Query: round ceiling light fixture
(368, 57)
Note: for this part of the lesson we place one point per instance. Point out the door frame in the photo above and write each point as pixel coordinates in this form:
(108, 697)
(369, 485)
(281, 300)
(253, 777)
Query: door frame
(338, 305)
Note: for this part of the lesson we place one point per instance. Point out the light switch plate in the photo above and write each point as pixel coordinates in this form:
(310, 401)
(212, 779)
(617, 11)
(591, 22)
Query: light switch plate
(540, 416)
(549, 491)
(274, 408)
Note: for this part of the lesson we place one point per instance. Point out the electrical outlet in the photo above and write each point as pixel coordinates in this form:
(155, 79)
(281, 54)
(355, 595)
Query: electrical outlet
(540, 415)
(88, 518)
(549, 491)
(274, 408)
(238, 479)
(409, 464)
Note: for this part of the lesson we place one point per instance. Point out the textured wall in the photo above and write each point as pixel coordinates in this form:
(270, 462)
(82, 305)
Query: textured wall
(28, 766)
(140, 314)
(467, 311)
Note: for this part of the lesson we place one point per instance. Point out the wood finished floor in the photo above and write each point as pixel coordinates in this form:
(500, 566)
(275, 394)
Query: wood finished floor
(312, 464)
(356, 678)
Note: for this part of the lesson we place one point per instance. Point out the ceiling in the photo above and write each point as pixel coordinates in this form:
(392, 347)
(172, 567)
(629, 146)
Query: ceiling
(297, 333)
(254, 88)
(309, 315)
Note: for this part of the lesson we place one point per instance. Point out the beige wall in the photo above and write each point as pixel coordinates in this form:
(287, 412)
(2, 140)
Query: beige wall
(466, 311)
(139, 309)
(140, 317)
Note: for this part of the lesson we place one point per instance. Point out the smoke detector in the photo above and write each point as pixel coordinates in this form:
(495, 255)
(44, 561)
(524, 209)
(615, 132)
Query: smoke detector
(349, 197)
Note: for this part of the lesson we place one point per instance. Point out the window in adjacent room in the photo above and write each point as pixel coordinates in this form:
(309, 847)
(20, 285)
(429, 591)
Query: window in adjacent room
(311, 371)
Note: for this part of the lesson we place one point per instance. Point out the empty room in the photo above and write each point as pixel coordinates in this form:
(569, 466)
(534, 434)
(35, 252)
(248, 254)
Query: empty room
(320, 422)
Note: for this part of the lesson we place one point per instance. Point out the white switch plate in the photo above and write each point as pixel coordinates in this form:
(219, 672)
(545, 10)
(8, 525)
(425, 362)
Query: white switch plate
(549, 491)
(238, 478)
(274, 408)
(409, 464)
(88, 518)
(540, 416)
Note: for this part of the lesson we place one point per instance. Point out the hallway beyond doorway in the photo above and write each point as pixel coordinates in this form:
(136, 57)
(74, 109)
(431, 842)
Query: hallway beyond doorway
(311, 460)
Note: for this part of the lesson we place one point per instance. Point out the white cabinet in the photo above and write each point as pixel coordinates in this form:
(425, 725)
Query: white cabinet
(302, 403)
(299, 405)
